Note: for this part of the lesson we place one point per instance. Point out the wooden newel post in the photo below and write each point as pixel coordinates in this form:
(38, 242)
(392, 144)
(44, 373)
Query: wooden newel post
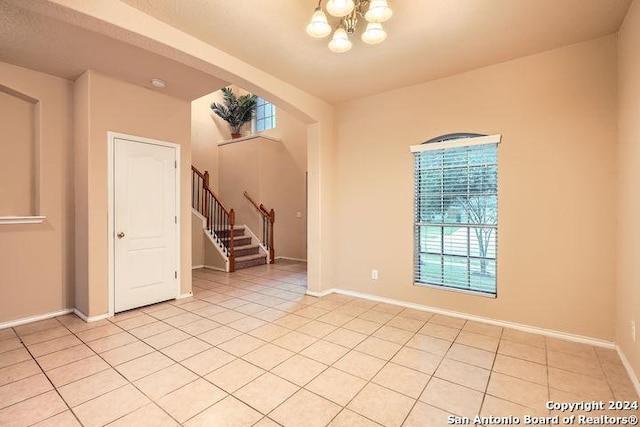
(232, 258)
(205, 184)
(272, 251)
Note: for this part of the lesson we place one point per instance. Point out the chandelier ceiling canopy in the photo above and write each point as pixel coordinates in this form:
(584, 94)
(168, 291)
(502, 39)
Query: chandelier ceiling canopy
(374, 12)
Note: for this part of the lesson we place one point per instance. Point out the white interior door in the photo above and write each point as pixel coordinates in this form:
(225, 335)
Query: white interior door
(145, 224)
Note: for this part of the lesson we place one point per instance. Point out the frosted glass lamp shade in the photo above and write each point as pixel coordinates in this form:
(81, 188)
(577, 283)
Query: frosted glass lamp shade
(379, 11)
(340, 41)
(374, 33)
(318, 27)
(340, 8)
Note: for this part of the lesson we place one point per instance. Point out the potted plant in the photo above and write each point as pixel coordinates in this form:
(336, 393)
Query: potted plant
(237, 110)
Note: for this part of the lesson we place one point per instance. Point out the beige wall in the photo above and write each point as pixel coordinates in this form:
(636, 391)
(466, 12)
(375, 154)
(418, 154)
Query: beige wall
(273, 173)
(550, 105)
(556, 112)
(156, 36)
(122, 107)
(270, 174)
(17, 154)
(36, 260)
(238, 171)
(81, 145)
(628, 292)
(285, 190)
(213, 257)
(206, 130)
(197, 241)
(205, 134)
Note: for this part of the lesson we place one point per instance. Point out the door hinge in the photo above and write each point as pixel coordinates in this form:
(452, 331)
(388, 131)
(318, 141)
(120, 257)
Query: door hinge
(175, 164)
(175, 218)
(175, 274)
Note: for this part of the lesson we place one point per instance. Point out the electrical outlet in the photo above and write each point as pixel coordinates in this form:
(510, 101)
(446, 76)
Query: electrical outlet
(633, 330)
(374, 274)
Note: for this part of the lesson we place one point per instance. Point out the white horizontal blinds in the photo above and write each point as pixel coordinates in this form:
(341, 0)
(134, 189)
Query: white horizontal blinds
(456, 216)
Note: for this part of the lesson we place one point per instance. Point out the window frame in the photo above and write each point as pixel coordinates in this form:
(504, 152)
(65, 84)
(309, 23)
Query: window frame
(271, 118)
(451, 141)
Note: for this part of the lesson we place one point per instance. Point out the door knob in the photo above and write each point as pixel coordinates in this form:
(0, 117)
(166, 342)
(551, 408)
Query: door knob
(120, 235)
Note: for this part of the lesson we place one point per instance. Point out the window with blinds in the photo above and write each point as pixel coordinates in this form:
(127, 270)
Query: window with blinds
(265, 117)
(456, 212)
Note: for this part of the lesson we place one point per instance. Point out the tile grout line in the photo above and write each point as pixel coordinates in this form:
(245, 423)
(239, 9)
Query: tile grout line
(298, 353)
(152, 401)
(434, 372)
(80, 379)
(198, 375)
(232, 394)
(275, 299)
(342, 407)
(491, 371)
(118, 388)
(372, 335)
(50, 382)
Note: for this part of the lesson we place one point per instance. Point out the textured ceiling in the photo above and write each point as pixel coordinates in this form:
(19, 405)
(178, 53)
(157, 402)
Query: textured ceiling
(41, 43)
(427, 39)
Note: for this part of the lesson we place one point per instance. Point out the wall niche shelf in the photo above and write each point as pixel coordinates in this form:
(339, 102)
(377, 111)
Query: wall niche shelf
(21, 219)
(247, 138)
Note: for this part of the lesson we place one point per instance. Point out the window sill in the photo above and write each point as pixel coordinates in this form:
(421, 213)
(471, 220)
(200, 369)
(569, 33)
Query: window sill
(21, 219)
(462, 291)
(247, 138)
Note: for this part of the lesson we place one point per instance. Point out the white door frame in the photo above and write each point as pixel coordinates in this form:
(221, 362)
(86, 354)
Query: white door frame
(111, 137)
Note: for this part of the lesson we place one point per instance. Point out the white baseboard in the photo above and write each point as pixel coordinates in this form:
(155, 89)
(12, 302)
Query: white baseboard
(193, 267)
(186, 295)
(291, 259)
(321, 293)
(25, 320)
(630, 371)
(211, 267)
(90, 319)
(505, 324)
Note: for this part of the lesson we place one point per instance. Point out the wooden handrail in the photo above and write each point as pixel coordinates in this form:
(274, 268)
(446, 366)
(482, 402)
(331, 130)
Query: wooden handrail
(205, 178)
(200, 174)
(270, 217)
(272, 251)
(220, 220)
(232, 258)
(261, 208)
(207, 189)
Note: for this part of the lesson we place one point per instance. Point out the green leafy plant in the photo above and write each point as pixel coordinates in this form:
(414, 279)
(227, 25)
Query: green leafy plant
(236, 110)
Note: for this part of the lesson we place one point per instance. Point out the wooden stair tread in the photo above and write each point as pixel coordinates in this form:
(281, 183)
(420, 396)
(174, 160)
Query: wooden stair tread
(246, 247)
(235, 227)
(250, 257)
(236, 237)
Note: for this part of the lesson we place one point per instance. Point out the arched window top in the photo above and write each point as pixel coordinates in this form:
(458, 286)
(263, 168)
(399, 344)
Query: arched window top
(453, 140)
(452, 136)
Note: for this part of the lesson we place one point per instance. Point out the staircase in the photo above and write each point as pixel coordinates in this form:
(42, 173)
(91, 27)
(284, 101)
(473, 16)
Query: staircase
(247, 254)
(237, 244)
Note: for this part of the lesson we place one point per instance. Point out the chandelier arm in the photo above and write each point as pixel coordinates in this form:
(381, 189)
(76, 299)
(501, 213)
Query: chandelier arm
(360, 6)
(350, 22)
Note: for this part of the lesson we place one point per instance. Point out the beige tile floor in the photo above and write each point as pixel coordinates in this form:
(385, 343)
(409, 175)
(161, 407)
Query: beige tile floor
(251, 349)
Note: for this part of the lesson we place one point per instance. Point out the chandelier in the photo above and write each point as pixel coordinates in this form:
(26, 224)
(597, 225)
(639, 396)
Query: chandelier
(375, 12)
